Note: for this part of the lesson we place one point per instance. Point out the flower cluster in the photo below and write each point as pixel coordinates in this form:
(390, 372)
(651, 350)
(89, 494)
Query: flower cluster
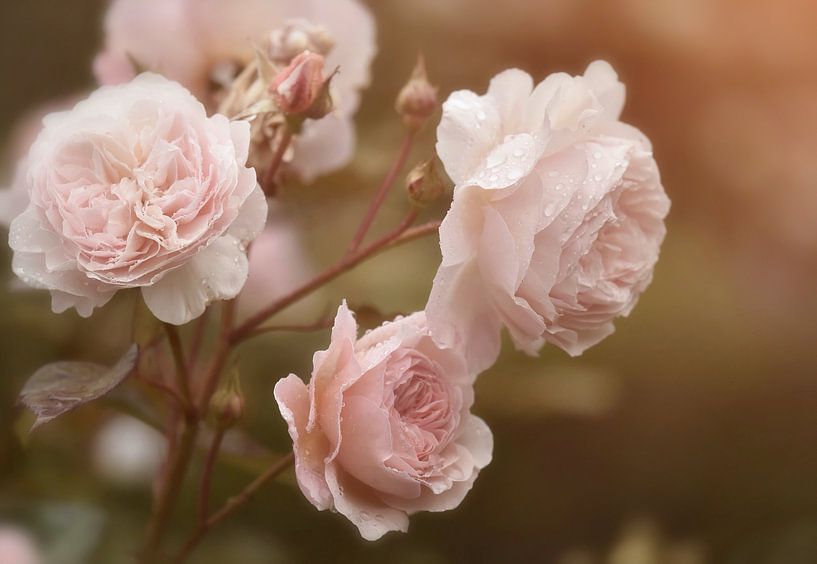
(160, 180)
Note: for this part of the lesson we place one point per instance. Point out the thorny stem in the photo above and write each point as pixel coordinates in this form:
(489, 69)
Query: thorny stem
(382, 191)
(402, 234)
(232, 505)
(268, 183)
(207, 473)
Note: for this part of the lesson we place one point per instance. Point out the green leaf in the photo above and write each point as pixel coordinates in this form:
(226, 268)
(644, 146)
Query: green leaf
(62, 386)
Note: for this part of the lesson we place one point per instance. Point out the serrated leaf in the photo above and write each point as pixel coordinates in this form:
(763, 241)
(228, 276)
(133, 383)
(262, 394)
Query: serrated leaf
(62, 386)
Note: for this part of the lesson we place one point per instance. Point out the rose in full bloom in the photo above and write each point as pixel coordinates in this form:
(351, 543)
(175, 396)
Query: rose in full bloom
(557, 218)
(136, 187)
(384, 429)
(199, 42)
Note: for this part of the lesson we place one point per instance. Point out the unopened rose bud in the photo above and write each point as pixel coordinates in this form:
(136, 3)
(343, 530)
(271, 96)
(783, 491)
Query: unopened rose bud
(417, 100)
(425, 183)
(297, 36)
(297, 87)
(228, 403)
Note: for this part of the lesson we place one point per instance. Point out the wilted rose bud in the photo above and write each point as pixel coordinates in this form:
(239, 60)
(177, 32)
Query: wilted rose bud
(425, 183)
(297, 36)
(298, 86)
(417, 100)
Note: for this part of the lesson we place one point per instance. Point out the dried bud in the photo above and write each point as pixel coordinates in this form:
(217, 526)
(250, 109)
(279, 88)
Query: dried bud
(228, 402)
(297, 36)
(417, 100)
(425, 183)
(297, 87)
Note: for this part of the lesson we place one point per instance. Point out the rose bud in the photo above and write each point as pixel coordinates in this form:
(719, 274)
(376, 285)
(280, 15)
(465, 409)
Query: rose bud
(424, 183)
(417, 100)
(298, 86)
(228, 403)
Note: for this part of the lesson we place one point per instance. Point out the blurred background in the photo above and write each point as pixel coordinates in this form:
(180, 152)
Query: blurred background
(687, 437)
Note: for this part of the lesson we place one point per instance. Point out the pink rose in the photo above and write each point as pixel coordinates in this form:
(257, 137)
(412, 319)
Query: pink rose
(384, 428)
(193, 41)
(17, 546)
(299, 84)
(557, 218)
(136, 187)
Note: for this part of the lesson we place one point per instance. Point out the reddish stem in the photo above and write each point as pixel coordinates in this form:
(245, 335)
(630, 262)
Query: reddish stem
(382, 192)
(207, 473)
(399, 235)
(232, 505)
(268, 183)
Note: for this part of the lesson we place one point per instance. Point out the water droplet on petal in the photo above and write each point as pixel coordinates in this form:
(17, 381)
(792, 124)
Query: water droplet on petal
(514, 173)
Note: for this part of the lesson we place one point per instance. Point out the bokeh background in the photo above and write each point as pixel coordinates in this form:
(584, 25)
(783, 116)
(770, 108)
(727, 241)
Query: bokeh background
(687, 437)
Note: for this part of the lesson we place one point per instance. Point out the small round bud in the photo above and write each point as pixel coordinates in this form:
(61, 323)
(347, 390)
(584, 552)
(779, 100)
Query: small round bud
(297, 86)
(425, 184)
(228, 402)
(417, 100)
(297, 36)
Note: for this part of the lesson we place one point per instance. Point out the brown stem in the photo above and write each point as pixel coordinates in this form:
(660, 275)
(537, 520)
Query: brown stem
(207, 473)
(169, 488)
(382, 191)
(268, 183)
(178, 359)
(219, 358)
(169, 390)
(232, 505)
(198, 339)
(317, 326)
(398, 236)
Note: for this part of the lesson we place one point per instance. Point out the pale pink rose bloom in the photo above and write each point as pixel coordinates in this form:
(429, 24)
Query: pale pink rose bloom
(557, 218)
(17, 547)
(192, 41)
(136, 187)
(384, 429)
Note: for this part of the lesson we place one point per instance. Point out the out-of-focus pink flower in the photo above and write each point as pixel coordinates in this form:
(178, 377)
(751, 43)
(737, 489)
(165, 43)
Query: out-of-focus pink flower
(192, 40)
(17, 547)
(277, 263)
(384, 428)
(14, 197)
(137, 187)
(557, 219)
(299, 84)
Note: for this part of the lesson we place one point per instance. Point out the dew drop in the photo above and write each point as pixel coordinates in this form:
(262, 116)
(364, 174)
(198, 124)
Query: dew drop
(559, 187)
(519, 153)
(481, 115)
(365, 516)
(597, 155)
(514, 173)
(598, 177)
